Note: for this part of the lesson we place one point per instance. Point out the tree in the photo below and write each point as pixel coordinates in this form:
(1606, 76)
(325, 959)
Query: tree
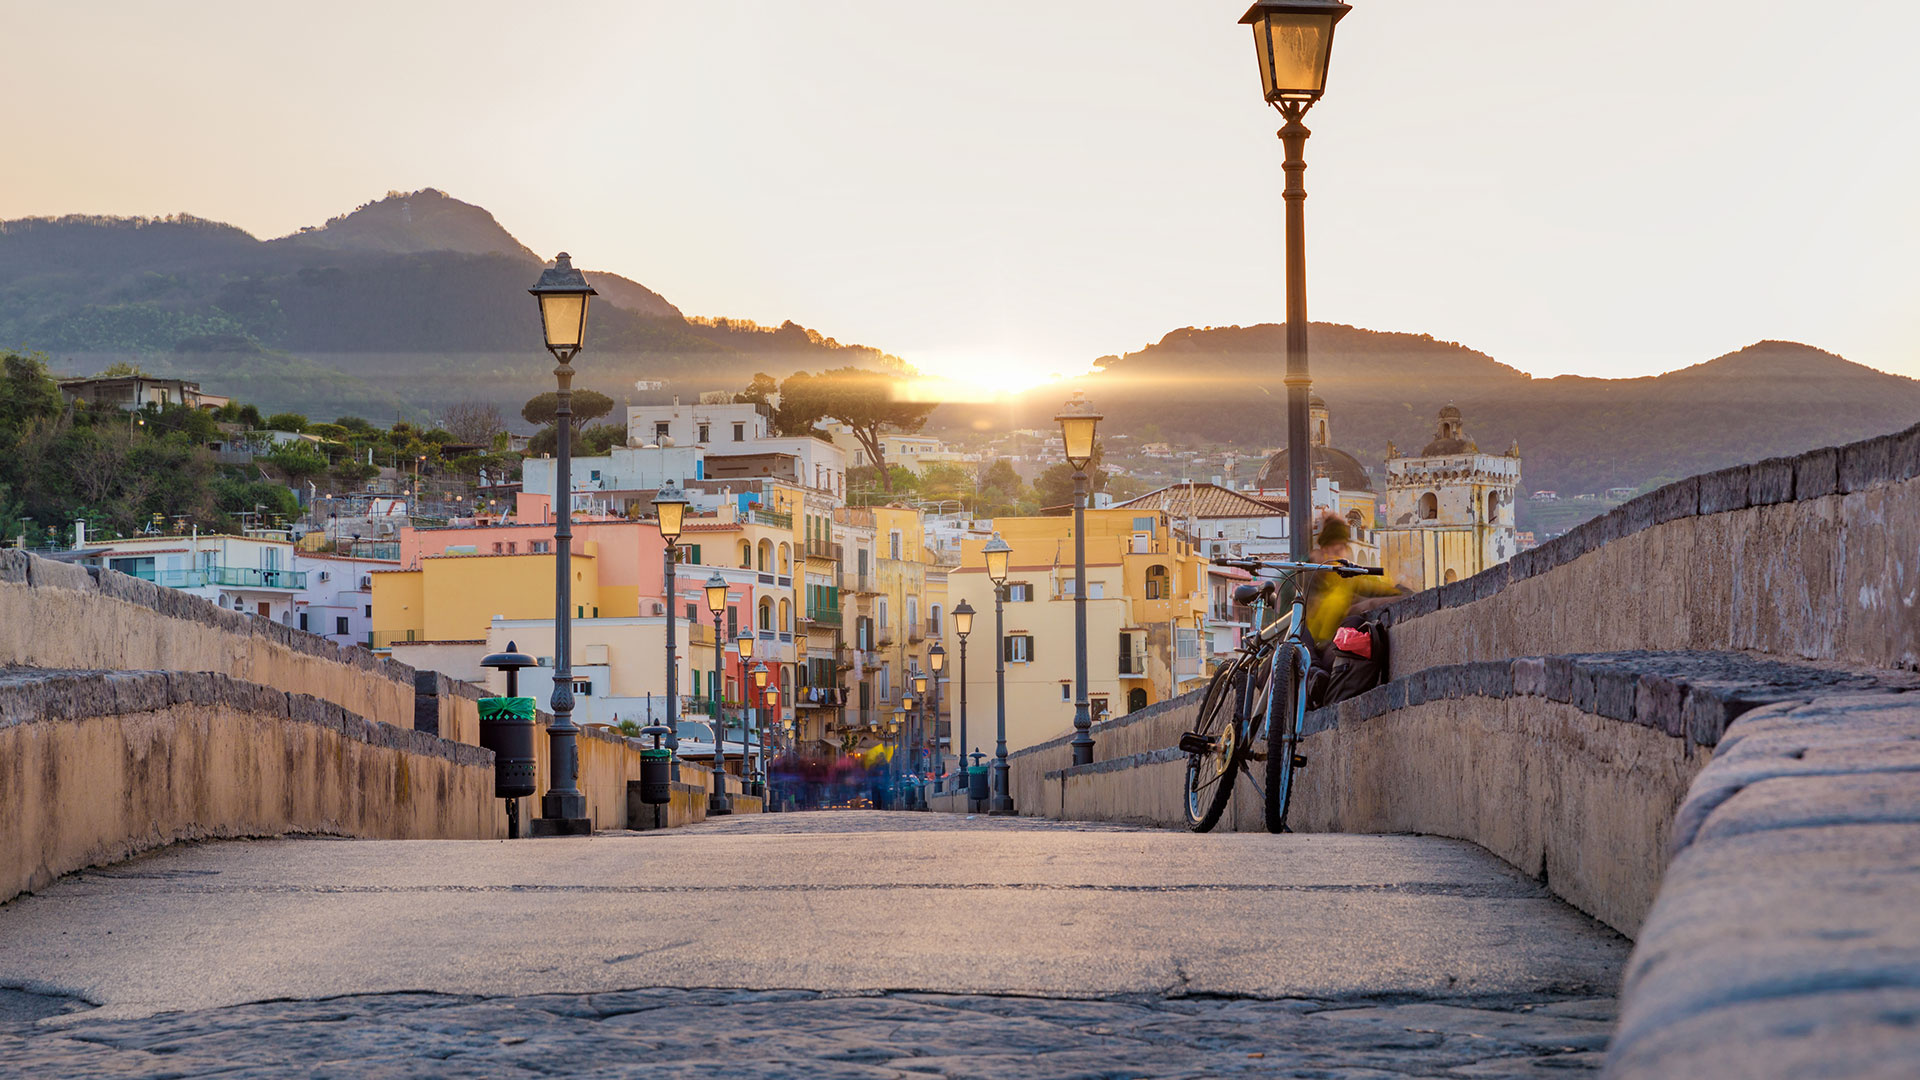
(286, 421)
(871, 403)
(121, 369)
(588, 406)
(27, 393)
(1055, 486)
(297, 460)
(474, 422)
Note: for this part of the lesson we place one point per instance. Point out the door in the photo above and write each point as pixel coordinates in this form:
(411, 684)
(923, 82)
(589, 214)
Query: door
(265, 609)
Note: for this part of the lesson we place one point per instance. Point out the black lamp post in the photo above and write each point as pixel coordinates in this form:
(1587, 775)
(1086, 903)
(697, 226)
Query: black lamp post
(563, 293)
(670, 504)
(1077, 424)
(923, 766)
(998, 553)
(962, 626)
(1293, 41)
(759, 699)
(717, 603)
(766, 774)
(936, 663)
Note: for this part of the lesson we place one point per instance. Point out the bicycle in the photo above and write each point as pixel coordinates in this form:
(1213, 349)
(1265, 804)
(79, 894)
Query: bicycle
(1279, 654)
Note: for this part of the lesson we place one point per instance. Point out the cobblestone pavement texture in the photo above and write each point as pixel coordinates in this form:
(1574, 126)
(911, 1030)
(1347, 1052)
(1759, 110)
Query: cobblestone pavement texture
(852, 944)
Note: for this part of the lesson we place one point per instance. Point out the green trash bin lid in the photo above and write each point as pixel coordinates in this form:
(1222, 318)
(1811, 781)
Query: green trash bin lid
(507, 708)
(976, 770)
(652, 752)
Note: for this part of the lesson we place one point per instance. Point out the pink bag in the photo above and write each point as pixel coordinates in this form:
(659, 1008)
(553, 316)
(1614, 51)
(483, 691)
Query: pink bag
(1355, 641)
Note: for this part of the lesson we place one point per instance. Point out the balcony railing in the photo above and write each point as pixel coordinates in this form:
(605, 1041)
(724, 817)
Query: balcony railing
(380, 639)
(915, 633)
(858, 583)
(774, 518)
(243, 577)
(824, 613)
(1133, 665)
(823, 549)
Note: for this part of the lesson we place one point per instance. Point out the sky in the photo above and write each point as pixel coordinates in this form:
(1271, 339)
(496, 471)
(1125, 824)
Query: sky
(1005, 188)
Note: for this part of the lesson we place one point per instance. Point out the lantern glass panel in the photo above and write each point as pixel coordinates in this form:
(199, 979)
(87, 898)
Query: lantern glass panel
(1293, 54)
(745, 645)
(1078, 433)
(564, 316)
(963, 620)
(673, 517)
(716, 597)
(997, 564)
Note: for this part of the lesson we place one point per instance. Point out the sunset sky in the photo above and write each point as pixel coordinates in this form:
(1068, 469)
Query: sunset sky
(1019, 186)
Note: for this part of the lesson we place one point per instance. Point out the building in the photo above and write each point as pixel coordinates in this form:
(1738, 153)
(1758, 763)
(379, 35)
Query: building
(1341, 484)
(1146, 605)
(137, 392)
(338, 601)
(1449, 508)
(252, 572)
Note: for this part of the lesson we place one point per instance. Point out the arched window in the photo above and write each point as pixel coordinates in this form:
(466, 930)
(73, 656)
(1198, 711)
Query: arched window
(766, 556)
(1356, 520)
(1493, 507)
(766, 613)
(746, 555)
(786, 616)
(1429, 507)
(786, 558)
(1451, 577)
(1158, 584)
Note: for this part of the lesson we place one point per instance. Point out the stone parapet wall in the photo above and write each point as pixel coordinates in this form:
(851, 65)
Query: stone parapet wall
(1571, 768)
(54, 615)
(98, 766)
(1816, 557)
(1785, 940)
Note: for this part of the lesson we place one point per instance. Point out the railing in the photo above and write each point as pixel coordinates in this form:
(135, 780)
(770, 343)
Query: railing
(1133, 665)
(915, 633)
(248, 577)
(823, 549)
(380, 639)
(767, 517)
(857, 583)
(829, 613)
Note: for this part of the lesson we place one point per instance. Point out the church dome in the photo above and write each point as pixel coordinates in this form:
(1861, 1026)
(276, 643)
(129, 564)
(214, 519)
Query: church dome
(1336, 465)
(1449, 436)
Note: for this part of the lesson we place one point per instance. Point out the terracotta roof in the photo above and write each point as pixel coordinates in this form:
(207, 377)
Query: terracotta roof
(1202, 500)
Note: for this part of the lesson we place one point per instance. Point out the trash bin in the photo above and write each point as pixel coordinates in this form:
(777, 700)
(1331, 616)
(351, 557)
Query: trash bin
(656, 769)
(977, 782)
(506, 728)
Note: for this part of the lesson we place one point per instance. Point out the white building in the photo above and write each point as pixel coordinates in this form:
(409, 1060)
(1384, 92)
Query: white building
(716, 426)
(338, 601)
(253, 573)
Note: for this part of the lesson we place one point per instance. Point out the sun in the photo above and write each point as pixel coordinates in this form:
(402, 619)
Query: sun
(976, 377)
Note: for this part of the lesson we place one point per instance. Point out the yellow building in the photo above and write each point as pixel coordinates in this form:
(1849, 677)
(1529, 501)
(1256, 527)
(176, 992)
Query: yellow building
(1146, 600)
(1450, 508)
(456, 597)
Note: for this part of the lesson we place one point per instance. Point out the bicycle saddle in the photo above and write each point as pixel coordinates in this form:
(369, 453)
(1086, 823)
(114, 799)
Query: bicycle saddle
(1246, 594)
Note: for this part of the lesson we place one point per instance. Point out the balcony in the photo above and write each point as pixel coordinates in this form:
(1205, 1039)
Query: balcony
(915, 634)
(381, 639)
(824, 613)
(864, 584)
(238, 577)
(756, 516)
(823, 549)
(1133, 665)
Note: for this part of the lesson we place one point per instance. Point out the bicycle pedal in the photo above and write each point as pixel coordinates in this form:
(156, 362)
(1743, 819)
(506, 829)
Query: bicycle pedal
(1195, 743)
(1299, 761)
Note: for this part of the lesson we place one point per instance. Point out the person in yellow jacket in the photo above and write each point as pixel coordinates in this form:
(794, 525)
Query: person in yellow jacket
(1330, 597)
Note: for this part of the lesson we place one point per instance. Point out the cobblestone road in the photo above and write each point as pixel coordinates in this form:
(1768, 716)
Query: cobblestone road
(850, 945)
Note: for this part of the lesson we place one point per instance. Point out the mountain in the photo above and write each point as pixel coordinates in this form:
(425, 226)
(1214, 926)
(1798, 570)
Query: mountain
(1224, 385)
(398, 308)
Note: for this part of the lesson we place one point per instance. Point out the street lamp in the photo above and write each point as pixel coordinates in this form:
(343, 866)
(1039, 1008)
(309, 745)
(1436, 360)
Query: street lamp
(1077, 424)
(937, 662)
(1293, 41)
(563, 293)
(962, 626)
(670, 506)
(773, 710)
(998, 554)
(717, 603)
(755, 701)
(920, 763)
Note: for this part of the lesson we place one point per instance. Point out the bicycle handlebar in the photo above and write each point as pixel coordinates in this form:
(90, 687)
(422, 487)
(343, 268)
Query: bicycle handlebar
(1341, 567)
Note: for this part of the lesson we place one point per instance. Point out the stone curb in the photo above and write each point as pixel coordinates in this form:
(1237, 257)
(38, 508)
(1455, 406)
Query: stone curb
(1833, 470)
(1119, 764)
(35, 695)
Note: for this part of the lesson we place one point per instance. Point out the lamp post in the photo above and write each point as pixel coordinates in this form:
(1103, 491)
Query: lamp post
(1293, 41)
(912, 752)
(717, 603)
(1077, 424)
(921, 739)
(744, 645)
(759, 701)
(563, 293)
(962, 626)
(998, 553)
(937, 662)
(773, 708)
(670, 506)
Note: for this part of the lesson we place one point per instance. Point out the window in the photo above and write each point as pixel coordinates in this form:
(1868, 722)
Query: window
(513, 548)
(499, 548)
(933, 620)
(583, 687)
(705, 433)
(1019, 592)
(369, 611)
(739, 433)
(1158, 585)
(893, 544)
(863, 632)
(733, 622)
(1143, 524)
(1066, 691)
(1098, 707)
(693, 614)
(594, 475)
(886, 681)
(340, 625)
(660, 429)
(766, 614)
(885, 620)
(1018, 648)
(303, 620)
(913, 612)
(541, 547)
(1429, 508)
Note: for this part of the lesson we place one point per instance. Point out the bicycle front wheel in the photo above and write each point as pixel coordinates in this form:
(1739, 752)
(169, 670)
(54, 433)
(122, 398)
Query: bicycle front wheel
(1210, 774)
(1283, 740)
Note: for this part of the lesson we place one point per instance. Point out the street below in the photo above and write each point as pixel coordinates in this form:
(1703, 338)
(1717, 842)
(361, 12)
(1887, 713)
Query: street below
(825, 944)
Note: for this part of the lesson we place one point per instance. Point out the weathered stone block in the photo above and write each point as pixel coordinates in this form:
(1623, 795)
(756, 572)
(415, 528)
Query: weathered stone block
(1725, 490)
(1530, 676)
(1816, 473)
(48, 574)
(1421, 603)
(1559, 678)
(13, 566)
(1485, 584)
(1581, 690)
(1868, 463)
(1675, 501)
(1614, 692)
(1489, 679)
(1906, 455)
(138, 691)
(1768, 482)
(1660, 703)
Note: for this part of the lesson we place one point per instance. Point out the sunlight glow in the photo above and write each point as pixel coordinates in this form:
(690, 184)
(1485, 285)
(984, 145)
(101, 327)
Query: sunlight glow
(973, 377)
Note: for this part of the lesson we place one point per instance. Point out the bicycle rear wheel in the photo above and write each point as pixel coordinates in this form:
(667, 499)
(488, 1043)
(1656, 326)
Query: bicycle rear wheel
(1210, 775)
(1283, 740)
